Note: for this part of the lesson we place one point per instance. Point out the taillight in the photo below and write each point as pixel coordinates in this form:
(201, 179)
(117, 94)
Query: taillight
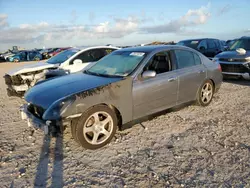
(219, 67)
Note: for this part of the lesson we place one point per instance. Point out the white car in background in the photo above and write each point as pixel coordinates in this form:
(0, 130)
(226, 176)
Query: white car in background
(19, 80)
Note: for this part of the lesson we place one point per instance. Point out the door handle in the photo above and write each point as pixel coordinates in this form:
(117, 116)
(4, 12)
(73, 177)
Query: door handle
(172, 79)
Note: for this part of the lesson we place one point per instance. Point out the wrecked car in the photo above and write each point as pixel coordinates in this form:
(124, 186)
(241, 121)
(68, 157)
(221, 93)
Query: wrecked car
(128, 84)
(235, 62)
(19, 80)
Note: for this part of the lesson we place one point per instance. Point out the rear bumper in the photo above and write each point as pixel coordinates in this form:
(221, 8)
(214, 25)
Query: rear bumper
(33, 121)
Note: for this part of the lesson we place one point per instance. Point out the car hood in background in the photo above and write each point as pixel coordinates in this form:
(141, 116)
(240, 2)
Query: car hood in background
(31, 68)
(233, 55)
(47, 93)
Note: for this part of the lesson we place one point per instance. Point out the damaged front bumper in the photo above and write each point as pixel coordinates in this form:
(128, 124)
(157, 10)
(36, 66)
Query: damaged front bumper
(17, 85)
(49, 127)
(33, 121)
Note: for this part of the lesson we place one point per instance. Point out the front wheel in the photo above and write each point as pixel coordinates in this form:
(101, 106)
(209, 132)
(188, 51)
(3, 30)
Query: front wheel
(205, 93)
(96, 127)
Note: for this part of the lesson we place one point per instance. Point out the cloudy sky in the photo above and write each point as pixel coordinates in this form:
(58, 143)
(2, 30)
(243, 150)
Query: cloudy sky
(54, 23)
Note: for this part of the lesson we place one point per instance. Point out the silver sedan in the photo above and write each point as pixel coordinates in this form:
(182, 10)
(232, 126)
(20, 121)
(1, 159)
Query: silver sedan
(126, 85)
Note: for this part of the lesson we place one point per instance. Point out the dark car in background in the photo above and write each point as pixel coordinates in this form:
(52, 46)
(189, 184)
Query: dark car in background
(207, 46)
(2, 59)
(236, 61)
(229, 43)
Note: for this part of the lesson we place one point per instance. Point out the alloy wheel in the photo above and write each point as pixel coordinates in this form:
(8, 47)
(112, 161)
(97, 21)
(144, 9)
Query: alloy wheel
(98, 128)
(206, 93)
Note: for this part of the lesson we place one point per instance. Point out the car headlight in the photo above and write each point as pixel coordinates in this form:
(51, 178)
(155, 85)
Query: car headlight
(58, 108)
(247, 65)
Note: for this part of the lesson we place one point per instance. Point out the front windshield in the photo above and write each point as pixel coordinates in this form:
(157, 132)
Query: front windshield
(117, 64)
(240, 43)
(189, 43)
(63, 56)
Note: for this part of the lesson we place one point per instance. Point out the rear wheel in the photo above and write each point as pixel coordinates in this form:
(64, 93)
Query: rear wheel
(96, 127)
(205, 93)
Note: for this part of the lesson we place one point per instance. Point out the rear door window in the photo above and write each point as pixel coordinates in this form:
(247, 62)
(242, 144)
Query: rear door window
(185, 59)
(197, 59)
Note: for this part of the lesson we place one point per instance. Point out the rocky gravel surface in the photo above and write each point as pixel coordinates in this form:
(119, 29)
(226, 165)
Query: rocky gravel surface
(190, 146)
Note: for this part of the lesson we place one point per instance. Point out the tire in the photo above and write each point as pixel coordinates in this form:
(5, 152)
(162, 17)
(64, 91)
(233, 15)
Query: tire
(73, 129)
(205, 93)
(89, 131)
(16, 60)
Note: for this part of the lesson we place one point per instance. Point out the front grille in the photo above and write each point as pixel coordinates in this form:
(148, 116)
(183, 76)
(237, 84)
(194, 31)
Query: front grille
(236, 68)
(36, 110)
(232, 60)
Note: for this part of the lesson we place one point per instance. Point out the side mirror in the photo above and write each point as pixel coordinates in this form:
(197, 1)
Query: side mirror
(148, 74)
(77, 62)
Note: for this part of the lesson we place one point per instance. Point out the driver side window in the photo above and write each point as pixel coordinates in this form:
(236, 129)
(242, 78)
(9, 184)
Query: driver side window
(160, 63)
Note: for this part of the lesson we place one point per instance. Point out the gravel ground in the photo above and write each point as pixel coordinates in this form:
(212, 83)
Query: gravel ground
(187, 147)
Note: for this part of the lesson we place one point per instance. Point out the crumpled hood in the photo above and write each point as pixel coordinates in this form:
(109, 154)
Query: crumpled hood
(31, 68)
(47, 93)
(233, 55)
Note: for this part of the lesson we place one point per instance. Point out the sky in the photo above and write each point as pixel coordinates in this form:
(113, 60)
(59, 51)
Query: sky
(54, 23)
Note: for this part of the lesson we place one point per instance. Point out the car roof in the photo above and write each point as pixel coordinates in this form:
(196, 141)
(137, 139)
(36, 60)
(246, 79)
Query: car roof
(152, 48)
(94, 47)
(245, 37)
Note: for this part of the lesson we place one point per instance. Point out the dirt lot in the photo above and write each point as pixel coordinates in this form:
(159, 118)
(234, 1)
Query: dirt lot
(188, 147)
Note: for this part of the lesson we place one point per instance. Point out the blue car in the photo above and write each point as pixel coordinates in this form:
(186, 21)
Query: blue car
(26, 56)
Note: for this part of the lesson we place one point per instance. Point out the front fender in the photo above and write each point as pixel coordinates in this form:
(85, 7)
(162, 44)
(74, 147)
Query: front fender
(117, 94)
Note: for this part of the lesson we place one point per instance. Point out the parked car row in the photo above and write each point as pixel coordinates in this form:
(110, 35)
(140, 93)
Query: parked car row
(96, 90)
(30, 55)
